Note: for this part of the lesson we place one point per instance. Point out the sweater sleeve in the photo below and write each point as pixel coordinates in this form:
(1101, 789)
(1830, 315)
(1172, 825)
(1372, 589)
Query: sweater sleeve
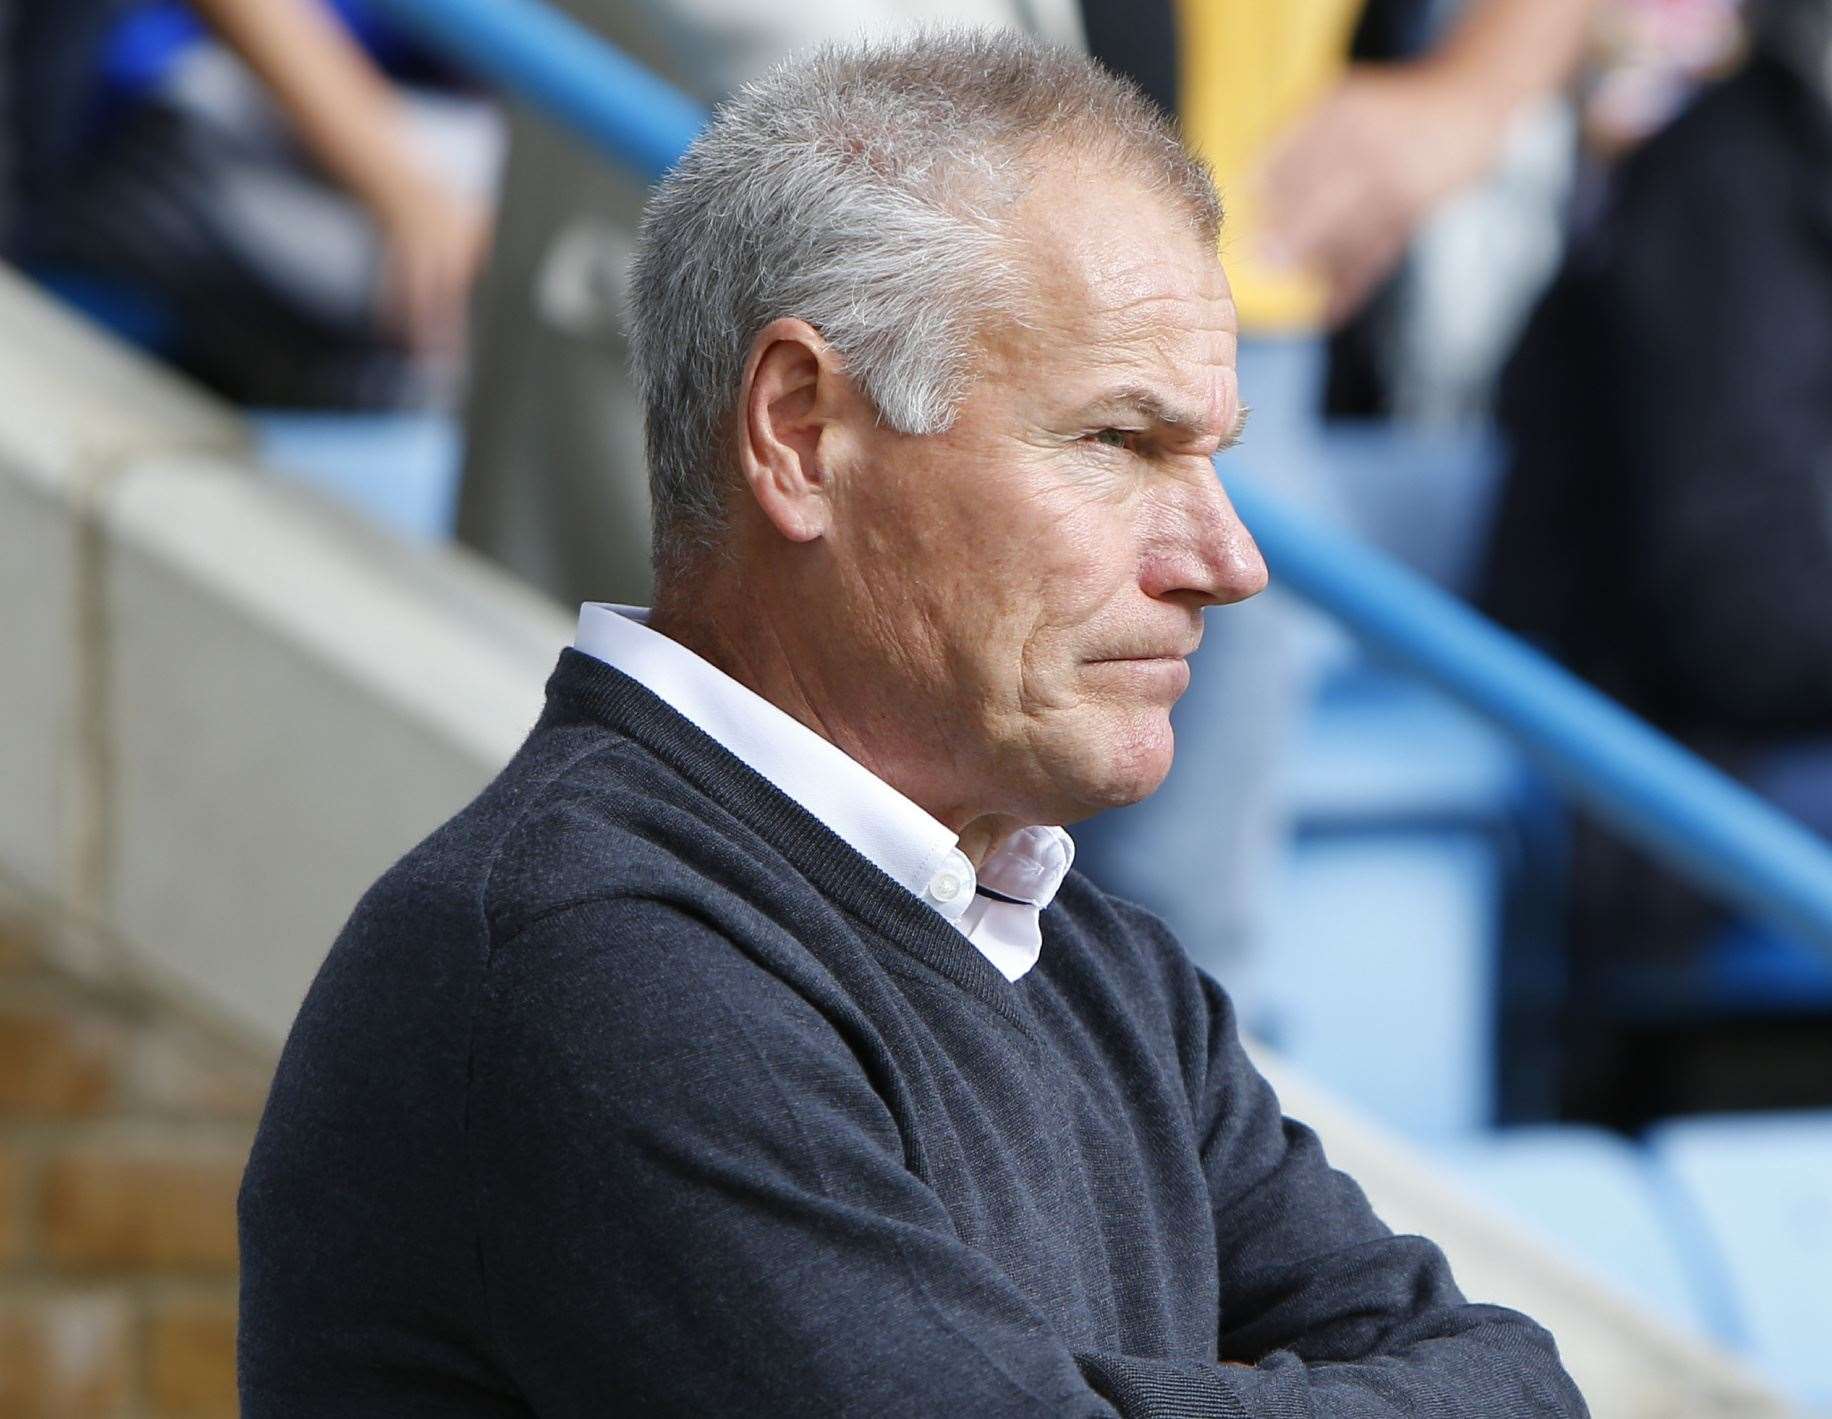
(691, 1200)
(1325, 1311)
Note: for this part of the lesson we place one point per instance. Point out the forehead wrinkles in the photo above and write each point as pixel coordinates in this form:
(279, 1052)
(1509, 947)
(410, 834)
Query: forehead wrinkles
(1176, 334)
(1153, 301)
(1181, 347)
(1152, 333)
(1114, 276)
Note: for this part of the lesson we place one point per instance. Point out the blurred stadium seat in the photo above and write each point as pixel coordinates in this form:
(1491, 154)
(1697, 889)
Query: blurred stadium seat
(1591, 1193)
(1417, 828)
(400, 470)
(1760, 1189)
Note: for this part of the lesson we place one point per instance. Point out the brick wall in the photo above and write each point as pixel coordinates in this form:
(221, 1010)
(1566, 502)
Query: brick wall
(123, 1129)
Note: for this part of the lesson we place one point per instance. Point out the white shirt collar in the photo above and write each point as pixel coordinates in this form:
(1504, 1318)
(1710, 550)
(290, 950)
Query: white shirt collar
(911, 848)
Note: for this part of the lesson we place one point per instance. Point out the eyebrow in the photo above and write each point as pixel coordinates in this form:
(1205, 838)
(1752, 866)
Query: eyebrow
(1158, 410)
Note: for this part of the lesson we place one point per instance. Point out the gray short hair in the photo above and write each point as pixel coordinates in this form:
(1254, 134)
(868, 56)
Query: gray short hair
(862, 189)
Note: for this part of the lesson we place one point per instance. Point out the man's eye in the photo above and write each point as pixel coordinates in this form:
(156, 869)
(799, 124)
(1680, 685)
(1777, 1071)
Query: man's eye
(1112, 438)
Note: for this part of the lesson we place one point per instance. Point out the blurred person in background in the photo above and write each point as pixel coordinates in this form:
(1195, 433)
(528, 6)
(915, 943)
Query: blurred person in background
(1647, 60)
(266, 191)
(1327, 169)
(554, 485)
(1666, 526)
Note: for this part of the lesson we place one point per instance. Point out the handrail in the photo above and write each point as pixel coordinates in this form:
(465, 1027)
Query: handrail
(1682, 810)
(1691, 815)
(576, 77)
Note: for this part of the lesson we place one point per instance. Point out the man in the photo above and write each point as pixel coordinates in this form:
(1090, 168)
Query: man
(748, 1047)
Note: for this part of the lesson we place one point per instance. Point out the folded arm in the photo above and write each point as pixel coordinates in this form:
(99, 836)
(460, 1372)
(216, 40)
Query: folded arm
(1326, 1311)
(692, 1197)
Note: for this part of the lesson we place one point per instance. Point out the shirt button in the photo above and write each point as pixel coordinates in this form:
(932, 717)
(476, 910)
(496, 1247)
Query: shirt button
(950, 890)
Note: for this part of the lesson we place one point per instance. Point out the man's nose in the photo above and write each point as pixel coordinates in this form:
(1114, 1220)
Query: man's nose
(1209, 550)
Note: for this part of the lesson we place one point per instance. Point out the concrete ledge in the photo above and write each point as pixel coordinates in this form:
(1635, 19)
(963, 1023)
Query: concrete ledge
(78, 407)
(37, 590)
(77, 399)
(228, 704)
(294, 701)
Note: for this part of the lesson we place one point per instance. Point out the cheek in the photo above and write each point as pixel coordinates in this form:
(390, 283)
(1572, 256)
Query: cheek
(1003, 575)
(1076, 581)
(943, 601)
(1082, 557)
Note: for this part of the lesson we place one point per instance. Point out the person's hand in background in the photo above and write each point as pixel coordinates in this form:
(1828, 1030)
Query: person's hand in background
(1350, 182)
(353, 123)
(1348, 186)
(434, 239)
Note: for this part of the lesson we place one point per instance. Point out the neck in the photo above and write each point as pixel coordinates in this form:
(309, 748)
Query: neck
(739, 632)
(731, 618)
(981, 836)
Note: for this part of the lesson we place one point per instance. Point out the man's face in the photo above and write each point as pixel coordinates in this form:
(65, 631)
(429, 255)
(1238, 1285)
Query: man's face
(1028, 584)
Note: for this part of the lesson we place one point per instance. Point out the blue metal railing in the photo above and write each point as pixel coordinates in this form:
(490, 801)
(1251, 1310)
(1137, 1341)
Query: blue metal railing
(1678, 807)
(1684, 811)
(533, 52)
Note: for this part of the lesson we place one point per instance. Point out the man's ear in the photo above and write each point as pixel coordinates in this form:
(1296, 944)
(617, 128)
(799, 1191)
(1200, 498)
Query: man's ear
(794, 391)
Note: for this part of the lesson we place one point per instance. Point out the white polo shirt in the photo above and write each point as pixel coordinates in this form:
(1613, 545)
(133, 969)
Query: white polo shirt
(996, 909)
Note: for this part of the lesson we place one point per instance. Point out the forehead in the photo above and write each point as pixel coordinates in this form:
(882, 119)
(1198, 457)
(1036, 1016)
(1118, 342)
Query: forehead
(1119, 280)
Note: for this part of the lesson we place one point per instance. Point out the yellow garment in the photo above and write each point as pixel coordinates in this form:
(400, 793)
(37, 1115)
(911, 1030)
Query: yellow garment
(1246, 69)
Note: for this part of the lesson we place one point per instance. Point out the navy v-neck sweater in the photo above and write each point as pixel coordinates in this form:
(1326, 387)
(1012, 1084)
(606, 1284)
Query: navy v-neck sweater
(634, 1090)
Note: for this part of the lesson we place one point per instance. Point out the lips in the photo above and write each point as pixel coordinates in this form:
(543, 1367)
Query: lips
(1151, 667)
(1179, 643)
(1173, 653)
(1158, 678)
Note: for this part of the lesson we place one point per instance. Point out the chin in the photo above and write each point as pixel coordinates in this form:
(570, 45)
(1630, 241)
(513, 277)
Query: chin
(1133, 765)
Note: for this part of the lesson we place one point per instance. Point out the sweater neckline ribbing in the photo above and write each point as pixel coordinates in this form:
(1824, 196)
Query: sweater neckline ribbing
(855, 883)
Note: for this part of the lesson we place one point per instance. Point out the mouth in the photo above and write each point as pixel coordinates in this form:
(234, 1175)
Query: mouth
(1169, 673)
(1154, 667)
(1178, 652)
